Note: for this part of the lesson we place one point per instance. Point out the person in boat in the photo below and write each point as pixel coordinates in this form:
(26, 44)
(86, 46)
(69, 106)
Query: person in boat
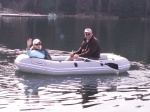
(36, 50)
(90, 47)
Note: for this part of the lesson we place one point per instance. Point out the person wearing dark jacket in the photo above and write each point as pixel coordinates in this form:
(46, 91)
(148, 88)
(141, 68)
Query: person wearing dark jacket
(89, 48)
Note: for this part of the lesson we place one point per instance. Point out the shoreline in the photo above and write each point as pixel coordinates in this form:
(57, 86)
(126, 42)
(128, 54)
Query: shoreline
(53, 16)
(21, 15)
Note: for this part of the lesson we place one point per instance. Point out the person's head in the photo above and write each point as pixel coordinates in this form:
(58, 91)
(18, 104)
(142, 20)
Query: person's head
(88, 33)
(37, 44)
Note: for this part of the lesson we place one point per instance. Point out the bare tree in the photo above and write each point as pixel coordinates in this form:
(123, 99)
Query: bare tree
(34, 5)
(99, 6)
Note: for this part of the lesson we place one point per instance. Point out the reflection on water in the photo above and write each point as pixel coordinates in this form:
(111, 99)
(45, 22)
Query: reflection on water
(129, 38)
(38, 92)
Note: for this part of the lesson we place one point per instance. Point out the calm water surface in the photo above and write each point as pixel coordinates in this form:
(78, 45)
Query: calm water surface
(22, 92)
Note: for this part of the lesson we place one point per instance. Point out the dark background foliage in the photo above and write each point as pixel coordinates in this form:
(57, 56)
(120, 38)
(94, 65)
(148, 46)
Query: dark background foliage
(120, 8)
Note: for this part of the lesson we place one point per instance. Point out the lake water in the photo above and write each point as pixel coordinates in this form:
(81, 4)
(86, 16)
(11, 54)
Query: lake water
(22, 92)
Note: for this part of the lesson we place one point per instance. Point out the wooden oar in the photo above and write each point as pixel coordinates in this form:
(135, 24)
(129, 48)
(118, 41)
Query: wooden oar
(111, 65)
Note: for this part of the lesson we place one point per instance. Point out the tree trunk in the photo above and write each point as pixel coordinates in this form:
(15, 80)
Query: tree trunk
(109, 6)
(57, 4)
(34, 5)
(99, 7)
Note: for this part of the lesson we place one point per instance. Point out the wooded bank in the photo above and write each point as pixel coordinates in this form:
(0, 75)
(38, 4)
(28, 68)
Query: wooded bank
(117, 8)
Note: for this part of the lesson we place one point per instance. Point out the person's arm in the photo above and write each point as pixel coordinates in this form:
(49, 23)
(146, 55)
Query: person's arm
(79, 50)
(35, 54)
(28, 52)
(92, 47)
(89, 52)
(29, 43)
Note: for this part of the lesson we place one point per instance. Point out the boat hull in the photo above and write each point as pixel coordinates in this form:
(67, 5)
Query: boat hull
(59, 67)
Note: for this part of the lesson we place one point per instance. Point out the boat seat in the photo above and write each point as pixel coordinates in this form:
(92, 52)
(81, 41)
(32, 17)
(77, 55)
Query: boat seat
(103, 57)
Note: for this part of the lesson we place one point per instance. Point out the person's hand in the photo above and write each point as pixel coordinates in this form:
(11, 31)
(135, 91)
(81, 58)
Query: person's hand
(29, 42)
(76, 56)
(71, 54)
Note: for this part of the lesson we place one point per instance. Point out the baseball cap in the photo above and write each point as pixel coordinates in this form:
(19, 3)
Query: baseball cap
(88, 30)
(36, 41)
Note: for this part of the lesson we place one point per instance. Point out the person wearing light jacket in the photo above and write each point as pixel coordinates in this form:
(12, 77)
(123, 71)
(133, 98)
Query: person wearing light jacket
(36, 50)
